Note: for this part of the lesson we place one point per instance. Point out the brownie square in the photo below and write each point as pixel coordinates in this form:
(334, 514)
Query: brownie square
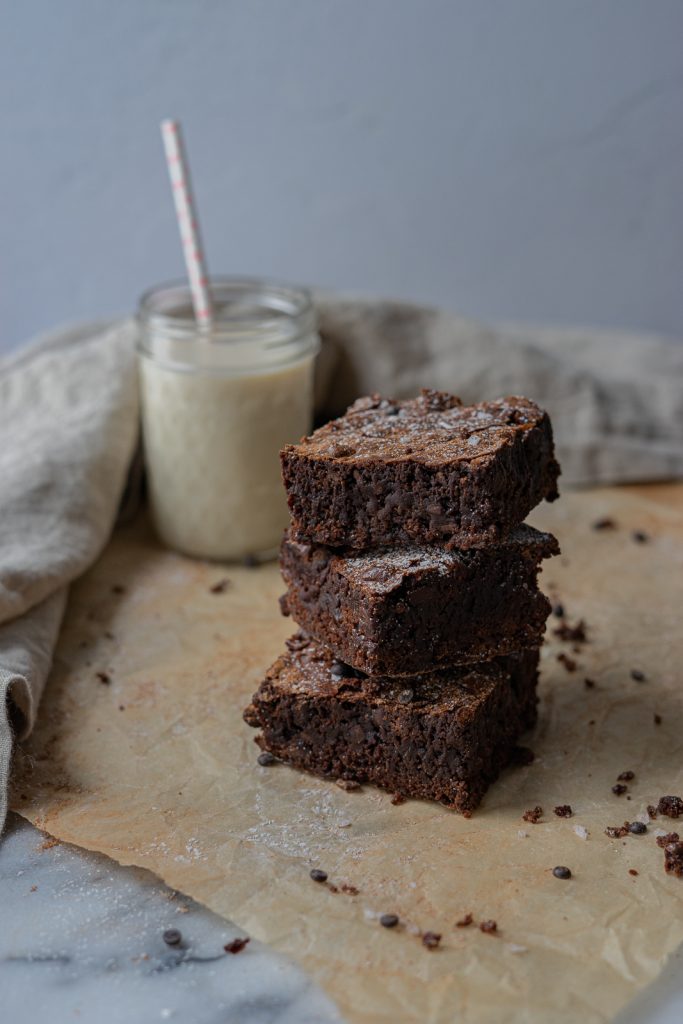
(404, 611)
(441, 736)
(424, 471)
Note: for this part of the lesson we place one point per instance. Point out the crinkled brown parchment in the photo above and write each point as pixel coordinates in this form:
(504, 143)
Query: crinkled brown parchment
(151, 763)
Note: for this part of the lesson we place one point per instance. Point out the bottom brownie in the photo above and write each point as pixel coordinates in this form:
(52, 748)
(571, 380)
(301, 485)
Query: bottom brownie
(444, 736)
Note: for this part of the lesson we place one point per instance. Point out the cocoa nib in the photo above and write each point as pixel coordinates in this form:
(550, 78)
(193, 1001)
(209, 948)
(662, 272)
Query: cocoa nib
(534, 815)
(236, 946)
(670, 806)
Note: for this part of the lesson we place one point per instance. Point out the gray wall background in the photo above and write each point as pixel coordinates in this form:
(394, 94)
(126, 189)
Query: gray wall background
(520, 159)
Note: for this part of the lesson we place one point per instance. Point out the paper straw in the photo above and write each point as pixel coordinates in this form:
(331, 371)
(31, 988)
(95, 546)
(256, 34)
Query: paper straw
(188, 224)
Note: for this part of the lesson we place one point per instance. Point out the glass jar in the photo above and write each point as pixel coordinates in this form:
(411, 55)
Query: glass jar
(218, 404)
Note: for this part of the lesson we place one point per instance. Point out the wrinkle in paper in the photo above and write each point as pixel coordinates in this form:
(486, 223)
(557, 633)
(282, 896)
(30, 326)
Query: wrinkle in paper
(156, 768)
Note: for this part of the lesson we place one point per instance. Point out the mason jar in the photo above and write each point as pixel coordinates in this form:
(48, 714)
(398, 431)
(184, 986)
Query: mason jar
(218, 404)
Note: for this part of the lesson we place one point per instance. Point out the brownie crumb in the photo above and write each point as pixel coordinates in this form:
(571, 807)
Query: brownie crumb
(348, 785)
(617, 831)
(568, 662)
(220, 587)
(657, 719)
(397, 799)
(562, 872)
(172, 937)
(640, 537)
(465, 921)
(431, 940)
(626, 776)
(317, 875)
(104, 677)
(572, 634)
(652, 811)
(563, 811)
(669, 837)
(265, 759)
(236, 946)
(670, 806)
(637, 828)
(388, 920)
(619, 789)
(632, 871)
(489, 927)
(558, 611)
(673, 859)
(522, 756)
(534, 815)
(637, 675)
(605, 524)
(589, 684)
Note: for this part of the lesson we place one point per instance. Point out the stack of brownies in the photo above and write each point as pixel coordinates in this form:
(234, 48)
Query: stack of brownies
(414, 583)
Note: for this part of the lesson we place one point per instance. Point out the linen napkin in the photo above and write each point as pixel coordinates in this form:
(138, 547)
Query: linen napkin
(69, 428)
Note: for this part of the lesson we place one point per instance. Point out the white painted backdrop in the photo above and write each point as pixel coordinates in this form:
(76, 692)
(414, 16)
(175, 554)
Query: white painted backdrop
(511, 159)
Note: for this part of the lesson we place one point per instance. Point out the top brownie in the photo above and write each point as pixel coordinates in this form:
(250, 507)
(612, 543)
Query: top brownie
(428, 471)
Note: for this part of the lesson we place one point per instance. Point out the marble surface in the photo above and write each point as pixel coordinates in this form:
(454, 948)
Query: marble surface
(81, 940)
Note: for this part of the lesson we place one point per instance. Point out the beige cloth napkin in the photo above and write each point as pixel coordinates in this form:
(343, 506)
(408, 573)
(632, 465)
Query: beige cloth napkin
(69, 427)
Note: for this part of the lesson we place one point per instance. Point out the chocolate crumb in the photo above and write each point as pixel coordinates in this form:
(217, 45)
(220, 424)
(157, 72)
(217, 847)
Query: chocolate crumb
(533, 816)
(568, 662)
(104, 677)
(670, 837)
(397, 799)
(562, 872)
(522, 756)
(652, 811)
(637, 675)
(350, 890)
(265, 759)
(563, 811)
(465, 921)
(388, 920)
(431, 940)
(670, 806)
(220, 587)
(489, 927)
(605, 524)
(172, 937)
(673, 859)
(589, 684)
(619, 789)
(637, 828)
(657, 719)
(617, 831)
(236, 946)
(572, 634)
(348, 785)
(640, 537)
(632, 871)
(626, 776)
(317, 875)
(122, 707)
(558, 611)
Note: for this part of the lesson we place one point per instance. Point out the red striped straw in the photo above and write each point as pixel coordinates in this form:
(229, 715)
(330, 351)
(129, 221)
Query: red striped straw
(179, 174)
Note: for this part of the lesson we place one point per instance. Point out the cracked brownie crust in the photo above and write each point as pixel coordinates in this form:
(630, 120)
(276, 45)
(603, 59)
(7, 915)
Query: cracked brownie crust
(440, 736)
(424, 471)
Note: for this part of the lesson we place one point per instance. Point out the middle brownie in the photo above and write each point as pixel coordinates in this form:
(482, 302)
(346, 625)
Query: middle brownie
(405, 611)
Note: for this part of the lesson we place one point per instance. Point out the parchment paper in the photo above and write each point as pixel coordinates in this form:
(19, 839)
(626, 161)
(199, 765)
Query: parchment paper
(152, 764)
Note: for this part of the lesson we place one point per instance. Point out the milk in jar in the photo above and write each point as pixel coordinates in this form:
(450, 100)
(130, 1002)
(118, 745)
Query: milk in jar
(217, 406)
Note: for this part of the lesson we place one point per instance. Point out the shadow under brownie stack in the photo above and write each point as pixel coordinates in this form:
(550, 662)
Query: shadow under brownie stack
(414, 583)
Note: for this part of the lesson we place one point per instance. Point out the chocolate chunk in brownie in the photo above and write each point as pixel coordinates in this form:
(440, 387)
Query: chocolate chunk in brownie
(404, 611)
(424, 471)
(448, 743)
